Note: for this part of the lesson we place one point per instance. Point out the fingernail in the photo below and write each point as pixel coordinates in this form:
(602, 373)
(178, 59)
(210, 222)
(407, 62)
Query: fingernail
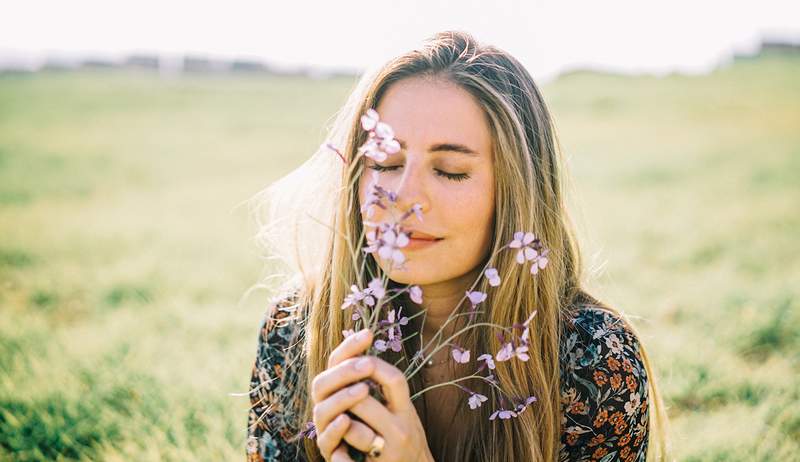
(339, 420)
(363, 364)
(356, 389)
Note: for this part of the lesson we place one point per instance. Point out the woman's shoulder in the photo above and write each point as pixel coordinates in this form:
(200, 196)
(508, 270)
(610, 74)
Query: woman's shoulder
(276, 374)
(604, 388)
(593, 336)
(282, 318)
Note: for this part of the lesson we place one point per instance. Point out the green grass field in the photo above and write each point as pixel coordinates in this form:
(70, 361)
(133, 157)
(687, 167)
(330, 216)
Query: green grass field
(123, 254)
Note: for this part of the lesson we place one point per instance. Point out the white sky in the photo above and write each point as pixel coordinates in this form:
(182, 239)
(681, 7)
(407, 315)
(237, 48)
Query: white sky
(546, 35)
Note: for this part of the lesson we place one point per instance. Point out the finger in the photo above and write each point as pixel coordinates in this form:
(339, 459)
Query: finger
(393, 383)
(325, 411)
(351, 346)
(331, 437)
(340, 455)
(376, 415)
(359, 435)
(331, 380)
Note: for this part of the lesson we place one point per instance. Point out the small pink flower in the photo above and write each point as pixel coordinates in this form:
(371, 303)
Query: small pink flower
(475, 400)
(415, 292)
(521, 352)
(392, 317)
(417, 210)
(376, 289)
(524, 405)
(461, 356)
(539, 261)
(521, 241)
(380, 142)
(348, 332)
(393, 241)
(372, 149)
(476, 297)
(488, 359)
(380, 345)
(493, 277)
(387, 239)
(355, 296)
(505, 353)
(503, 414)
(369, 119)
(526, 332)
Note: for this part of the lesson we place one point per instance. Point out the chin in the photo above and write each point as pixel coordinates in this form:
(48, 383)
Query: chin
(415, 274)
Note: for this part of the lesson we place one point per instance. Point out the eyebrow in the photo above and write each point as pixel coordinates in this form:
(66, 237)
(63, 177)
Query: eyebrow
(445, 147)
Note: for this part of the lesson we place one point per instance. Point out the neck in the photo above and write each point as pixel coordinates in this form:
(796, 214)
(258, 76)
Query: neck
(439, 300)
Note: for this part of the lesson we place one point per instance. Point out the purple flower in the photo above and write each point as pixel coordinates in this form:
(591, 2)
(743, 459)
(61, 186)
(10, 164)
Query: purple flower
(539, 261)
(475, 400)
(521, 241)
(530, 249)
(476, 297)
(524, 404)
(383, 345)
(503, 414)
(355, 296)
(415, 292)
(380, 142)
(387, 239)
(376, 289)
(380, 345)
(461, 356)
(489, 360)
(505, 353)
(508, 351)
(369, 119)
(417, 210)
(371, 148)
(309, 432)
(494, 278)
(392, 317)
(521, 352)
(373, 196)
(526, 332)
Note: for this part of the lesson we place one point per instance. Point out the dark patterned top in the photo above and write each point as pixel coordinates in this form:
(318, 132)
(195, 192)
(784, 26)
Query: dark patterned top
(604, 389)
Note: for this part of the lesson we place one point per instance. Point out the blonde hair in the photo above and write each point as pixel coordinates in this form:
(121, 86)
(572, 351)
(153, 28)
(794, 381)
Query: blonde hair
(317, 245)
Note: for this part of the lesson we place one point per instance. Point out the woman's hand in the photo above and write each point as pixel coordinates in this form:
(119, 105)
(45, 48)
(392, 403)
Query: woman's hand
(396, 422)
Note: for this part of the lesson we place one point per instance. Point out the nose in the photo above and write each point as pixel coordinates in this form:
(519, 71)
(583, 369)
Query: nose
(413, 187)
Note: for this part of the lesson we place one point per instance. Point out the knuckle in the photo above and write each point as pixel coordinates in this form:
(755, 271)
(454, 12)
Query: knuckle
(397, 380)
(316, 413)
(403, 438)
(315, 385)
(332, 359)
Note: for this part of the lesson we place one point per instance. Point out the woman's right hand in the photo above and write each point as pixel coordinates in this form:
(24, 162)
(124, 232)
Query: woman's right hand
(335, 390)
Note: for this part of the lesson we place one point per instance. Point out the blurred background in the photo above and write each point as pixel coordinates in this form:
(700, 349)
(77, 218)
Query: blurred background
(131, 133)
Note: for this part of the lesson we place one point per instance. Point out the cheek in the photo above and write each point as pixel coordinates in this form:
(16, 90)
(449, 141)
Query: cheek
(472, 208)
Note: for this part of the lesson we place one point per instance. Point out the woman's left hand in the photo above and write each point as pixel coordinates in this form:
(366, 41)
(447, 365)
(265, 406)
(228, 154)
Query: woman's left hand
(397, 421)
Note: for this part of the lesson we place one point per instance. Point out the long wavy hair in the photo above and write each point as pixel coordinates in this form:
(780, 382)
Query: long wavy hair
(310, 220)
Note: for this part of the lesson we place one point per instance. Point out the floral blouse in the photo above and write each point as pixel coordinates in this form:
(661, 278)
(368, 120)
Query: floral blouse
(604, 389)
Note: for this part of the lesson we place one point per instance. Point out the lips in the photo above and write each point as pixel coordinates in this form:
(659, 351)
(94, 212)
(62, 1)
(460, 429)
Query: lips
(419, 235)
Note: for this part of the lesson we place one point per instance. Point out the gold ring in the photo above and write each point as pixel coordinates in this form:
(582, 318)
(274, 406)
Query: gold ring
(376, 448)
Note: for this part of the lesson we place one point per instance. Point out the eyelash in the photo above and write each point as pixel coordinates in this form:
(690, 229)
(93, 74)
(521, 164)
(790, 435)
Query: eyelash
(449, 176)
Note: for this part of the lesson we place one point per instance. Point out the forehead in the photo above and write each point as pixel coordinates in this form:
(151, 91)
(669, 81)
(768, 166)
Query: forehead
(423, 111)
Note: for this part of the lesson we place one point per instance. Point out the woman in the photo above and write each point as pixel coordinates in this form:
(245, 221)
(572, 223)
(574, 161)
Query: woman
(477, 162)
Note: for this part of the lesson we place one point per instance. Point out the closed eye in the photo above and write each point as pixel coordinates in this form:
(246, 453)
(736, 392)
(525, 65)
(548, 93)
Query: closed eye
(442, 173)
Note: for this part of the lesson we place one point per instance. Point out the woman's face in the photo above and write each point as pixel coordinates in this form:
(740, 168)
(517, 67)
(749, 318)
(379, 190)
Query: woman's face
(446, 166)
